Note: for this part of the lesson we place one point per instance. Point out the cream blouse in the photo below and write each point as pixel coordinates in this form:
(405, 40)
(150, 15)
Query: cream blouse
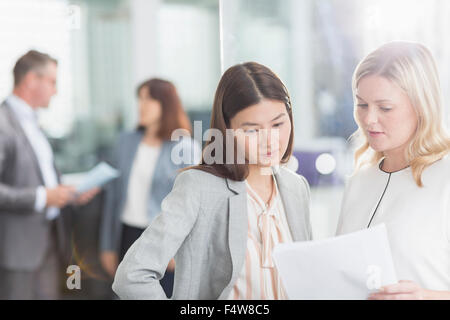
(267, 226)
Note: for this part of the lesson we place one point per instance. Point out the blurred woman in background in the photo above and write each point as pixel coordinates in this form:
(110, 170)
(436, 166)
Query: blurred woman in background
(144, 158)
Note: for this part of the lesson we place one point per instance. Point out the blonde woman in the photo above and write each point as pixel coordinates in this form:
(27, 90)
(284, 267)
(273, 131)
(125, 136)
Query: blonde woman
(403, 168)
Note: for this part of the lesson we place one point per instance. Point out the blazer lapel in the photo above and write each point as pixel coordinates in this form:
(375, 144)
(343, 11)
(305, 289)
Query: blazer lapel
(237, 229)
(292, 206)
(58, 173)
(18, 128)
(160, 164)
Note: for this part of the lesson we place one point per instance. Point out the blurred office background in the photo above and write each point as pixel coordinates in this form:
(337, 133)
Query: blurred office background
(106, 48)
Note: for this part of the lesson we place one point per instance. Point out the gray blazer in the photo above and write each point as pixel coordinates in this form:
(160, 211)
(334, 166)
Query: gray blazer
(203, 223)
(23, 231)
(116, 192)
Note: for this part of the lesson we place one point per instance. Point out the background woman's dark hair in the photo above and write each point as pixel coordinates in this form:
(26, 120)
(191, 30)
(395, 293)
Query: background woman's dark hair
(173, 115)
(242, 86)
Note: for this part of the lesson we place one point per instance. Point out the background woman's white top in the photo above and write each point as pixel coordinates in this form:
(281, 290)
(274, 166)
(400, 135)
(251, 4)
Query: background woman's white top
(417, 219)
(135, 212)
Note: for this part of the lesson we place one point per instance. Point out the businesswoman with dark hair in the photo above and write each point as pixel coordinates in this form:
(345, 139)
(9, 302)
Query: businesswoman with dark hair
(147, 171)
(224, 216)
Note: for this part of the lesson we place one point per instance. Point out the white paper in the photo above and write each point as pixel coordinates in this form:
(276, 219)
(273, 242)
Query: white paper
(349, 266)
(96, 177)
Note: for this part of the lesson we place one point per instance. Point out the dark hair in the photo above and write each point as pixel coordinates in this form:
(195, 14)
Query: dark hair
(173, 115)
(242, 86)
(32, 61)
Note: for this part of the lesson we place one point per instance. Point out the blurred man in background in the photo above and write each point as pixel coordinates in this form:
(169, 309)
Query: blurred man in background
(34, 246)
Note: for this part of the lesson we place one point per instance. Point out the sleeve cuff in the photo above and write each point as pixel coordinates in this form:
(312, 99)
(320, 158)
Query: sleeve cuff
(41, 199)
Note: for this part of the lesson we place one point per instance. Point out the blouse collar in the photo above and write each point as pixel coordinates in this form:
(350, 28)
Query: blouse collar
(380, 164)
(257, 198)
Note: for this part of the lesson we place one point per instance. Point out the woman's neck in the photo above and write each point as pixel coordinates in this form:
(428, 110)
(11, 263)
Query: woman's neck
(260, 177)
(394, 161)
(151, 137)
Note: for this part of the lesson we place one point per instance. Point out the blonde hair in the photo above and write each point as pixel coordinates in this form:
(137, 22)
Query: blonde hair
(411, 66)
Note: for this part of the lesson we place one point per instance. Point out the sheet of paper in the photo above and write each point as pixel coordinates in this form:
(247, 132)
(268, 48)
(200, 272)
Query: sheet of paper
(349, 266)
(96, 177)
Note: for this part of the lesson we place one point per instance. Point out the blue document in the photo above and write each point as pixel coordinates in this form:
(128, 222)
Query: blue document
(97, 177)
